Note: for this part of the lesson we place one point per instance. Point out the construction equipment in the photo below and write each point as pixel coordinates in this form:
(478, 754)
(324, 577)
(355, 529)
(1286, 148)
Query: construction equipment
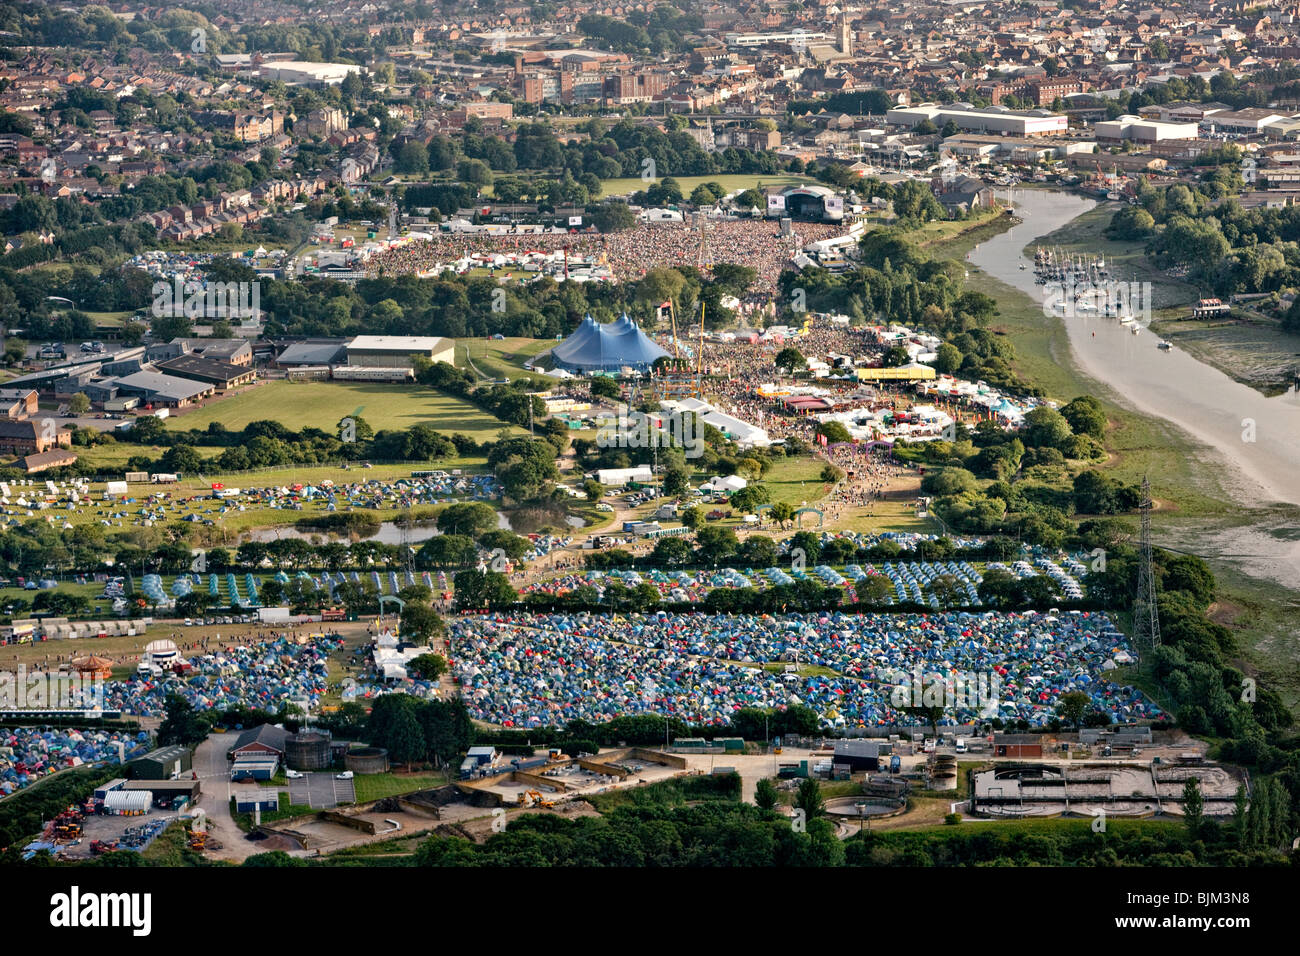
(67, 825)
(201, 840)
(534, 798)
(67, 831)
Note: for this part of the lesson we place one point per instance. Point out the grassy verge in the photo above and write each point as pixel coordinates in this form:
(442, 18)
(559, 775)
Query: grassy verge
(631, 184)
(171, 848)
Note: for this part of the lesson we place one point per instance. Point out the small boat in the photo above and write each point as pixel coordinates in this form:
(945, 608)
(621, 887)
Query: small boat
(1165, 346)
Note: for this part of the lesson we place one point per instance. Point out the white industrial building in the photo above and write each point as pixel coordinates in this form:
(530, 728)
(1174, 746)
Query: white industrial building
(621, 476)
(303, 73)
(1140, 130)
(1248, 122)
(395, 351)
(993, 119)
(745, 40)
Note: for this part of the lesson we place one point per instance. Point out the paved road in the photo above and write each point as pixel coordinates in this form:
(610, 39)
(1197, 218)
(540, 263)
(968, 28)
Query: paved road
(214, 774)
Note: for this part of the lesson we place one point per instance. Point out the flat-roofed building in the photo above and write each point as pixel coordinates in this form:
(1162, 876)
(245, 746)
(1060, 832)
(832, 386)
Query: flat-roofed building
(395, 351)
(200, 368)
(313, 352)
(981, 120)
(157, 388)
(1139, 130)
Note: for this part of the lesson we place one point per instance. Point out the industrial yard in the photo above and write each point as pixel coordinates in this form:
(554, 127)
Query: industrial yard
(1130, 789)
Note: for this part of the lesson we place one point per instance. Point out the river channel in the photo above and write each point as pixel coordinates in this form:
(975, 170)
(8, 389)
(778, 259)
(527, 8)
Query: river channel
(1259, 436)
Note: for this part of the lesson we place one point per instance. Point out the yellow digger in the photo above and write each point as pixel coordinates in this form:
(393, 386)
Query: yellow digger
(200, 840)
(534, 798)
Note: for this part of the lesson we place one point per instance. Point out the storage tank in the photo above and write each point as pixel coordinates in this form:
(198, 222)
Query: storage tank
(366, 760)
(307, 751)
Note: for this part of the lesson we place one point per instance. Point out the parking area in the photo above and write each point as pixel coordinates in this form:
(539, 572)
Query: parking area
(321, 791)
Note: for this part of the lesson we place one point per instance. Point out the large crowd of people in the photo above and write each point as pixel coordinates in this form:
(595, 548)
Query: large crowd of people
(756, 243)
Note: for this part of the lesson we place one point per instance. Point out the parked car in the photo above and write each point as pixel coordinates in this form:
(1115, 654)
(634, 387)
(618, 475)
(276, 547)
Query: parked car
(293, 774)
(345, 775)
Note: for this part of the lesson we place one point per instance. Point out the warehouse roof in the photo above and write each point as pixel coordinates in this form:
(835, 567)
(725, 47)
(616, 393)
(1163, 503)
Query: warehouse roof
(164, 754)
(398, 343)
(166, 386)
(204, 369)
(311, 353)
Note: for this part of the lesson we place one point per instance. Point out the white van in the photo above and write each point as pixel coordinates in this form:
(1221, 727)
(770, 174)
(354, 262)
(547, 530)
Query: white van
(961, 745)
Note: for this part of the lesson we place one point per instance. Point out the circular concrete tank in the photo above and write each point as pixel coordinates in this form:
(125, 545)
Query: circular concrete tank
(307, 751)
(366, 760)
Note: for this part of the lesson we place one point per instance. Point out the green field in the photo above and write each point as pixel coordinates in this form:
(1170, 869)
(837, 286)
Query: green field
(109, 318)
(632, 184)
(298, 405)
(499, 358)
(377, 786)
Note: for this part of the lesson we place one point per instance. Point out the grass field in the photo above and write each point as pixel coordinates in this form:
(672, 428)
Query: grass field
(227, 527)
(377, 786)
(109, 318)
(298, 405)
(500, 358)
(632, 184)
(796, 480)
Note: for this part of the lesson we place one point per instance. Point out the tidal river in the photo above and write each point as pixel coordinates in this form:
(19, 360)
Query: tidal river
(1259, 437)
